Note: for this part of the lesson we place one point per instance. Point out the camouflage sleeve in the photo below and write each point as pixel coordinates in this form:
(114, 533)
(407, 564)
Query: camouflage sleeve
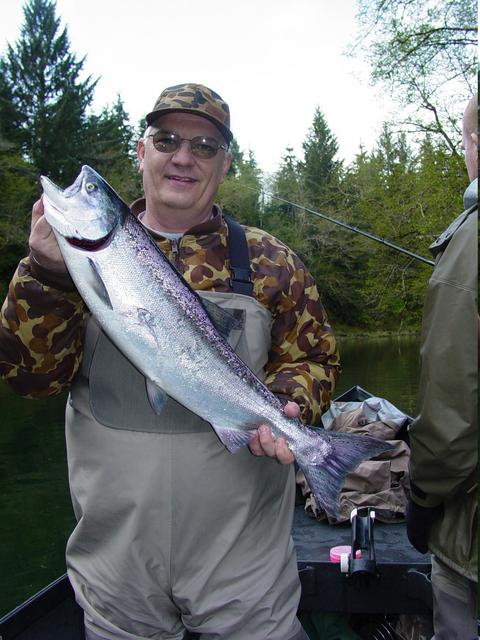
(41, 335)
(303, 361)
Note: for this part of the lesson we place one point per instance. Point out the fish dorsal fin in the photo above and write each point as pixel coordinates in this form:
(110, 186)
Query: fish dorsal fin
(156, 396)
(225, 320)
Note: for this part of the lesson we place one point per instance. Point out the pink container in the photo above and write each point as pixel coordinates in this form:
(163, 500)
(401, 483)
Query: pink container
(337, 552)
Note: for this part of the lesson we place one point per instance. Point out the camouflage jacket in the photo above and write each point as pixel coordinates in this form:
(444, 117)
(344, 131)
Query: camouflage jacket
(43, 320)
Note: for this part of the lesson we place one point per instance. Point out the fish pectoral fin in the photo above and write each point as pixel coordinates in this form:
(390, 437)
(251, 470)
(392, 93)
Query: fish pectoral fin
(98, 284)
(156, 396)
(225, 320)
(233, 439)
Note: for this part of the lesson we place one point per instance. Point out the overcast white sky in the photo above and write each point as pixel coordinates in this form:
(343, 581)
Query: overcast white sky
(273, 61)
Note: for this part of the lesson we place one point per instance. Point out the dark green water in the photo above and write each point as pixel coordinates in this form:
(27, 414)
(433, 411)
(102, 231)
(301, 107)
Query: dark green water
(35, 511)
(36, 515)
(386, 367)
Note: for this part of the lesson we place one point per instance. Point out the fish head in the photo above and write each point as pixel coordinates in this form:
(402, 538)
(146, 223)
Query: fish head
(87, 212)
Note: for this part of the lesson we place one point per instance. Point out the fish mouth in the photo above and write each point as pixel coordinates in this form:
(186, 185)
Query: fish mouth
(90, 245)
(57, 197)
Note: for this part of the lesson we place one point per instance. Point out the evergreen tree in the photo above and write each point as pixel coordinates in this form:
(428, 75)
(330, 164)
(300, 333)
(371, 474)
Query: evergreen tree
(442, 178)
(385, 205)
(19, 188)
(240, 193)
(408, 198)
(287, 181)
(237, 158)
(42, 96)
(320, 170)
(10, 125)
(110, 148)
(284, 219)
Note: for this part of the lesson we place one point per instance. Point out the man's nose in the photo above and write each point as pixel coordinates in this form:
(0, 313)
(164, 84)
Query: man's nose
(183, 155)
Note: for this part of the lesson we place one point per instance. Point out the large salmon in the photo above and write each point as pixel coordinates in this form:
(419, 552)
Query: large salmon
(162, 326)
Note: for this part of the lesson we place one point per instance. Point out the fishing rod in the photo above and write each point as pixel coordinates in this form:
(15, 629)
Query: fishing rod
(350, 228)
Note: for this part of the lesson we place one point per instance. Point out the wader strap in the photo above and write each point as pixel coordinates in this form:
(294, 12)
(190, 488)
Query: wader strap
(239, 258)
(440, 244)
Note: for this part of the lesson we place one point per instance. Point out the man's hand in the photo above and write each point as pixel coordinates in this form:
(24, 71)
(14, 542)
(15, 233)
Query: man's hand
(419, 522)
(43, 244)
(262, 443)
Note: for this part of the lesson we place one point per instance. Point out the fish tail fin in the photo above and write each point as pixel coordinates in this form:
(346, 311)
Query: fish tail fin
(326, 459)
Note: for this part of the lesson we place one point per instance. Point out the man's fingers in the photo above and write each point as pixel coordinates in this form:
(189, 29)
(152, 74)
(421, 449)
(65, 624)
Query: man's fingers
(291, 409)
(275, 447)
(282, 452)
(37, 211)
(266, 440)
(43, 243)
(40, 229)
(255, 446)
(262, 442)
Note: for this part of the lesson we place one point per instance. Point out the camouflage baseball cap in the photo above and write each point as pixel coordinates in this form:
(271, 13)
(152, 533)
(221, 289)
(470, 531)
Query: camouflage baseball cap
(197, 99)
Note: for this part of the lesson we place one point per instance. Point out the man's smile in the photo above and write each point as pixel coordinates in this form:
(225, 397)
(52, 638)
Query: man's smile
(184, 179)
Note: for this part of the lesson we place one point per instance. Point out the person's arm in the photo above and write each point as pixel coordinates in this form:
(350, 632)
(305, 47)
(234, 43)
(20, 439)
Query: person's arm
(303, 362)
(42, 320)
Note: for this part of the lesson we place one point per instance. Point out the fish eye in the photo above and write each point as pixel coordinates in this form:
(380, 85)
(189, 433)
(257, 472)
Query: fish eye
(90, 186)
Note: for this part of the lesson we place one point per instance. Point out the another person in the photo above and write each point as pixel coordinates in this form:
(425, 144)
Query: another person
(174, 533)
(442, 513)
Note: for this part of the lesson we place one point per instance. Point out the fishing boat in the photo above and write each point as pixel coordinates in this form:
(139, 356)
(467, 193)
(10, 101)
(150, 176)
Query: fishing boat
(390, 578)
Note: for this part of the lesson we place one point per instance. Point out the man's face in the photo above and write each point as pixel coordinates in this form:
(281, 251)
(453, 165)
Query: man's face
(179, 187)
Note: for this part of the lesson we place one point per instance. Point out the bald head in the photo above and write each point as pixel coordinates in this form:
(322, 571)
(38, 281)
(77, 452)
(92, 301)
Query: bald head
(470, 136)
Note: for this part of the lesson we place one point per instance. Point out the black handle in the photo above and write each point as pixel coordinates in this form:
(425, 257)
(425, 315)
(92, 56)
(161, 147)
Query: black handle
(362, 520)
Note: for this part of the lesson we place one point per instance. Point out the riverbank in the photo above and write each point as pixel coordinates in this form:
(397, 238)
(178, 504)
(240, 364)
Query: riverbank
(344, 331)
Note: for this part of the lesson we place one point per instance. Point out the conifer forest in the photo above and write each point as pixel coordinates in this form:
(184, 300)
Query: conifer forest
(406, 189)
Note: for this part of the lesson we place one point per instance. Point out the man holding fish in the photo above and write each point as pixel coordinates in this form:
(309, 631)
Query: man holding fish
(176, 535)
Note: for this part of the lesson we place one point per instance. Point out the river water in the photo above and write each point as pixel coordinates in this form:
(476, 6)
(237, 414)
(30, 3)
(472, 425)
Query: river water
(36, 515)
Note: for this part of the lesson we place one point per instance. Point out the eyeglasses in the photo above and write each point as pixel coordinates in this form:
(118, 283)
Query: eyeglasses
(201, 146)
